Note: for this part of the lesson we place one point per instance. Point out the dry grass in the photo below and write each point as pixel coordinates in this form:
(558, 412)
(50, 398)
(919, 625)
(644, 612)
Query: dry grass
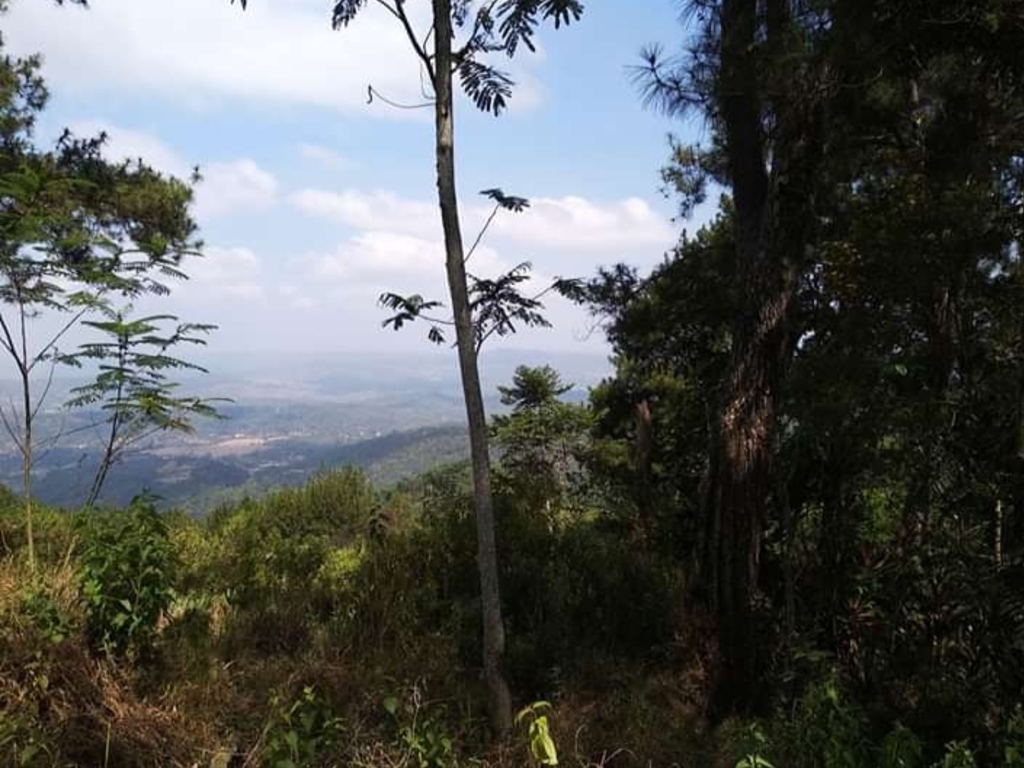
(78, 709)
(201, 703)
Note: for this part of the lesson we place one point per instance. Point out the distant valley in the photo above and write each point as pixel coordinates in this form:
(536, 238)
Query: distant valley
(394, 417)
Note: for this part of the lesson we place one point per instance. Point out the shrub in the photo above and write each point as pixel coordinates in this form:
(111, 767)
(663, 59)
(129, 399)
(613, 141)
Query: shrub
(46, 615)
(300, 732)
(126, 560)
(421, 734)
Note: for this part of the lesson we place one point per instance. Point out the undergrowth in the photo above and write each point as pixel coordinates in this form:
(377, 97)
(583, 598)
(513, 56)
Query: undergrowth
(335, 626)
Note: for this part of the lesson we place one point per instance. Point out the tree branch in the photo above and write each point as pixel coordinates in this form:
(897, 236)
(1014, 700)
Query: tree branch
(8, 341)
(9, 428)
(483, 230)
(398, 11)
(495, 327)
(438, 321)
(53, 341)
(467, 49)
(374, 92)
(45, 392)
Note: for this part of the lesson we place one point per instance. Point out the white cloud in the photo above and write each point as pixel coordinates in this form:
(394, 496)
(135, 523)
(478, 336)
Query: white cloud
(224, 272)
(379, 210)
(295, 298)
(377, 254)
(226, 187)
(303, 301)
(392, 259)
(323, 156)
(575, 223)
(553, 224)
(240, 185)
(277, 51)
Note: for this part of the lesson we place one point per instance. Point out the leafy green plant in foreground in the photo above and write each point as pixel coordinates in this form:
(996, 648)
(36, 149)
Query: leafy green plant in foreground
(126, 577)
(902, 749)
(39, 607)
(754, 743)
(542, 746)
(300, 732)
(1013, 746)
(958, 755)
(422, 734)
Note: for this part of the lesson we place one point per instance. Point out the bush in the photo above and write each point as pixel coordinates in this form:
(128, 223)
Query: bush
(300, 732)
(126, 560)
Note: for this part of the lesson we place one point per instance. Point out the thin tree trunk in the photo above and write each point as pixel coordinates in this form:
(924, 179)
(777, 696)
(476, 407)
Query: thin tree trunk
(643, 452)
(26, 473)
(107, 459)
(997, 535)
(487, 558)
(788, 538)
(26, 447)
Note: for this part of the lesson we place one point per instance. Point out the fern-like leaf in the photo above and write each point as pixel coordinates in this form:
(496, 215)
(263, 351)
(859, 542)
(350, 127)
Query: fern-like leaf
(489, 88)
(345, 11)
(507, 202)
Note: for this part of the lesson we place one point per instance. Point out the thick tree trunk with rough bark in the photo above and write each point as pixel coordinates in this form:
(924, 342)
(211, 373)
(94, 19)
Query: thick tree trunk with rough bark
(772, 186)
(741, 449)
(487, 557)
(741, 489)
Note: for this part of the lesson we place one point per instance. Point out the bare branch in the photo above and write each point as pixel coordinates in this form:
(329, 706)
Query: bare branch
(480, 234)
(9, 427)
(438, 321)
(398, 11)
(7, 341)
(46, 390)
(53, 341)
(371, 92)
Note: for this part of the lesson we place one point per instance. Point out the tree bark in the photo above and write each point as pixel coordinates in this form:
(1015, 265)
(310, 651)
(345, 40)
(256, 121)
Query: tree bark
(642, 458)
(487, 558)
(25, 369)
(774, 205)
(26, 471)
(739, 487)
(997, 534)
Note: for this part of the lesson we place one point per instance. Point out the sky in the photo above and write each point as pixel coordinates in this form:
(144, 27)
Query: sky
(314, 202)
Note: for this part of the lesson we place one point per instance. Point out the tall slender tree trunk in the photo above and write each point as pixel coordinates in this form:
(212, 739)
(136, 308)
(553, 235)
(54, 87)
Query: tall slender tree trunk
(25, 369)
(26, 471)
(487, 556)
(110, 449)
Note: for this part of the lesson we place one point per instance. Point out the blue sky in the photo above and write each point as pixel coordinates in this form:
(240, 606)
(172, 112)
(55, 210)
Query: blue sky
(314, 202)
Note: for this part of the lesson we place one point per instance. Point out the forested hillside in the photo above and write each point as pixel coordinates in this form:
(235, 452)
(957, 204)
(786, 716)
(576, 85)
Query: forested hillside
(196, 477)
(786, 531)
